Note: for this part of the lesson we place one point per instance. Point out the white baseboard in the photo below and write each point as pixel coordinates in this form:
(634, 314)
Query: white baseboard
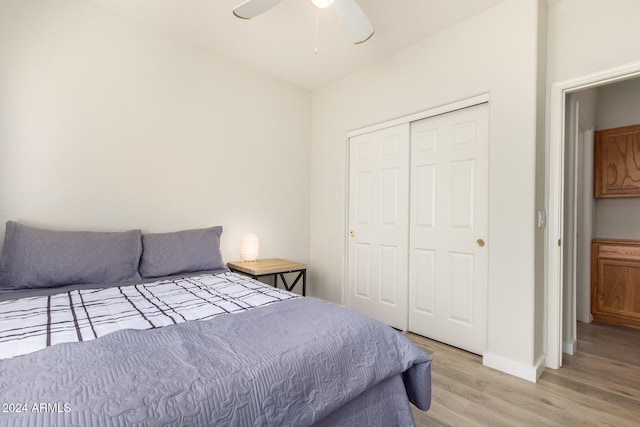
(511, 367)
(570, 347)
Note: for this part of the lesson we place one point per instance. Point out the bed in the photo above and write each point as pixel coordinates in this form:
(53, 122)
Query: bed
(132, 329)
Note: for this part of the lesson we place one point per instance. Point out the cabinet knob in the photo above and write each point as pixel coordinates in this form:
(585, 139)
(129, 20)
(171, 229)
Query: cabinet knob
(352, 233)
(480, 243)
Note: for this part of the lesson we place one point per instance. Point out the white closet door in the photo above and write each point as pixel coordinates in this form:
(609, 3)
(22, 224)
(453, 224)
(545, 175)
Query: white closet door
(378, 224)
(448, 231)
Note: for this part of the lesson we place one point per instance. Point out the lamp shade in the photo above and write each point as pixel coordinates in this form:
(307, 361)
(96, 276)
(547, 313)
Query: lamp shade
(249, 247)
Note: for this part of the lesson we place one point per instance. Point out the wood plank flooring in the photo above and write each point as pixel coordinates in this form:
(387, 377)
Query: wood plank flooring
(597, 386)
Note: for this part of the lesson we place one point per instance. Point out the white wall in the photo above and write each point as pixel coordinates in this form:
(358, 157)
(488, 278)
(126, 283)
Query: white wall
(496, 53)
(587, 36)
(618, 105)
(106, 125)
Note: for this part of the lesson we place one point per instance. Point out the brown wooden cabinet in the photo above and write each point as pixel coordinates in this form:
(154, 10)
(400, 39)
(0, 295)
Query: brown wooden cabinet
(615, 282)
(617, 162)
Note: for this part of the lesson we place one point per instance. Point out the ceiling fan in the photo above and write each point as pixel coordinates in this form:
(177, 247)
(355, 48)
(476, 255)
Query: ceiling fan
(352, 18)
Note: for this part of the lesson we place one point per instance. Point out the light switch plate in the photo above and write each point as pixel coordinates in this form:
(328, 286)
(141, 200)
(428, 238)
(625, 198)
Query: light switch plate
(542, 219)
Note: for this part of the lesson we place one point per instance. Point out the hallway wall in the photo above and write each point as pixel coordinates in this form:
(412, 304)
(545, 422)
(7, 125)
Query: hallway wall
(618, 105)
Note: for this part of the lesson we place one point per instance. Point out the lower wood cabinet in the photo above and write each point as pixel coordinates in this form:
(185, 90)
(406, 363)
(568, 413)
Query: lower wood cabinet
(615, 282)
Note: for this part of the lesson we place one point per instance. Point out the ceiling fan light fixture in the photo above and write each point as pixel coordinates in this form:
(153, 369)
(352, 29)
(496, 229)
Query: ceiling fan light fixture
(350, 15)
(322, 4)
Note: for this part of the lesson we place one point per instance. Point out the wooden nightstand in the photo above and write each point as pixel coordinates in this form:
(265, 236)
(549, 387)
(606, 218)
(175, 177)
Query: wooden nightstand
(273, 267)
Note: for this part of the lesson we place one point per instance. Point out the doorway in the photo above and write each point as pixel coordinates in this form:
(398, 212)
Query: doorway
(557, 189)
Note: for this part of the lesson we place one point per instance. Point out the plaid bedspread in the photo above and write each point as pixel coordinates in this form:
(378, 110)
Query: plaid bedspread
(31, 324)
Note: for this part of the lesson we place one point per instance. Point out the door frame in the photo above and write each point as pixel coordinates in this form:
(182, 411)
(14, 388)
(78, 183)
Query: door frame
(578, 215)
(584, 127)
(435, 111)
(554, 185)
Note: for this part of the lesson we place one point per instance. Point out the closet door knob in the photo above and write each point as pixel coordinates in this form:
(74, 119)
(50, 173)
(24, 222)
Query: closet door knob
(352, 233)
(480, 243)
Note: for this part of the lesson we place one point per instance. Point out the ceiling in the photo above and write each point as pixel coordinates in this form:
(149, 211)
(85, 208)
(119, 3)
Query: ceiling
(282, 41)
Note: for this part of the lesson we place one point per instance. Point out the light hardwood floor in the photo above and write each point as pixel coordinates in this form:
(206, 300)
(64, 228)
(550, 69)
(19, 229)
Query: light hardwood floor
(598, 386)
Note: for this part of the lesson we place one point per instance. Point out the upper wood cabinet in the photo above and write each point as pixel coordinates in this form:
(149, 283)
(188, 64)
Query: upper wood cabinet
(617, 162)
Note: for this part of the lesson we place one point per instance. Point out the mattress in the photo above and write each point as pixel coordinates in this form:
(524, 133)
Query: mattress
(282, 360)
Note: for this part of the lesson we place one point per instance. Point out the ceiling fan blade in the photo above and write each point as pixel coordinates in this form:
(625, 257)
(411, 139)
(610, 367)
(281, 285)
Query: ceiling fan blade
(252, 8)
(354, 21)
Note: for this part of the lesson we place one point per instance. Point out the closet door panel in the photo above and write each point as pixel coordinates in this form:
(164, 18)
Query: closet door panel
(377, 282)
(463, 194)
(462, 287)
(362, 273)
(449, 221)
(423, 300)
(425, 187)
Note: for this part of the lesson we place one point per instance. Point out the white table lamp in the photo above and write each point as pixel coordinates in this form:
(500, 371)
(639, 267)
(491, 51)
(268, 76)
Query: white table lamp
(249, 247)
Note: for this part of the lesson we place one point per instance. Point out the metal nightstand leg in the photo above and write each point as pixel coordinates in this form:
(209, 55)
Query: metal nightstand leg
(302, 274)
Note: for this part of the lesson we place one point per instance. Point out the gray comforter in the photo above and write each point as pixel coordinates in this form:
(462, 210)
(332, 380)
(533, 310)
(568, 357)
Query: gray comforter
(297, 362)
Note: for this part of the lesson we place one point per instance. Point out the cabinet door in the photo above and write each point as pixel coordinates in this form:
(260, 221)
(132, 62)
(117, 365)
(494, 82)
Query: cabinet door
(615, 293)
(617, 162)
(378, 224)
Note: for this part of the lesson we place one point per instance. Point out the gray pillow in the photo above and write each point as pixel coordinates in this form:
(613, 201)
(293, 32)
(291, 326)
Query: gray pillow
(37, 258)
(168, 254)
